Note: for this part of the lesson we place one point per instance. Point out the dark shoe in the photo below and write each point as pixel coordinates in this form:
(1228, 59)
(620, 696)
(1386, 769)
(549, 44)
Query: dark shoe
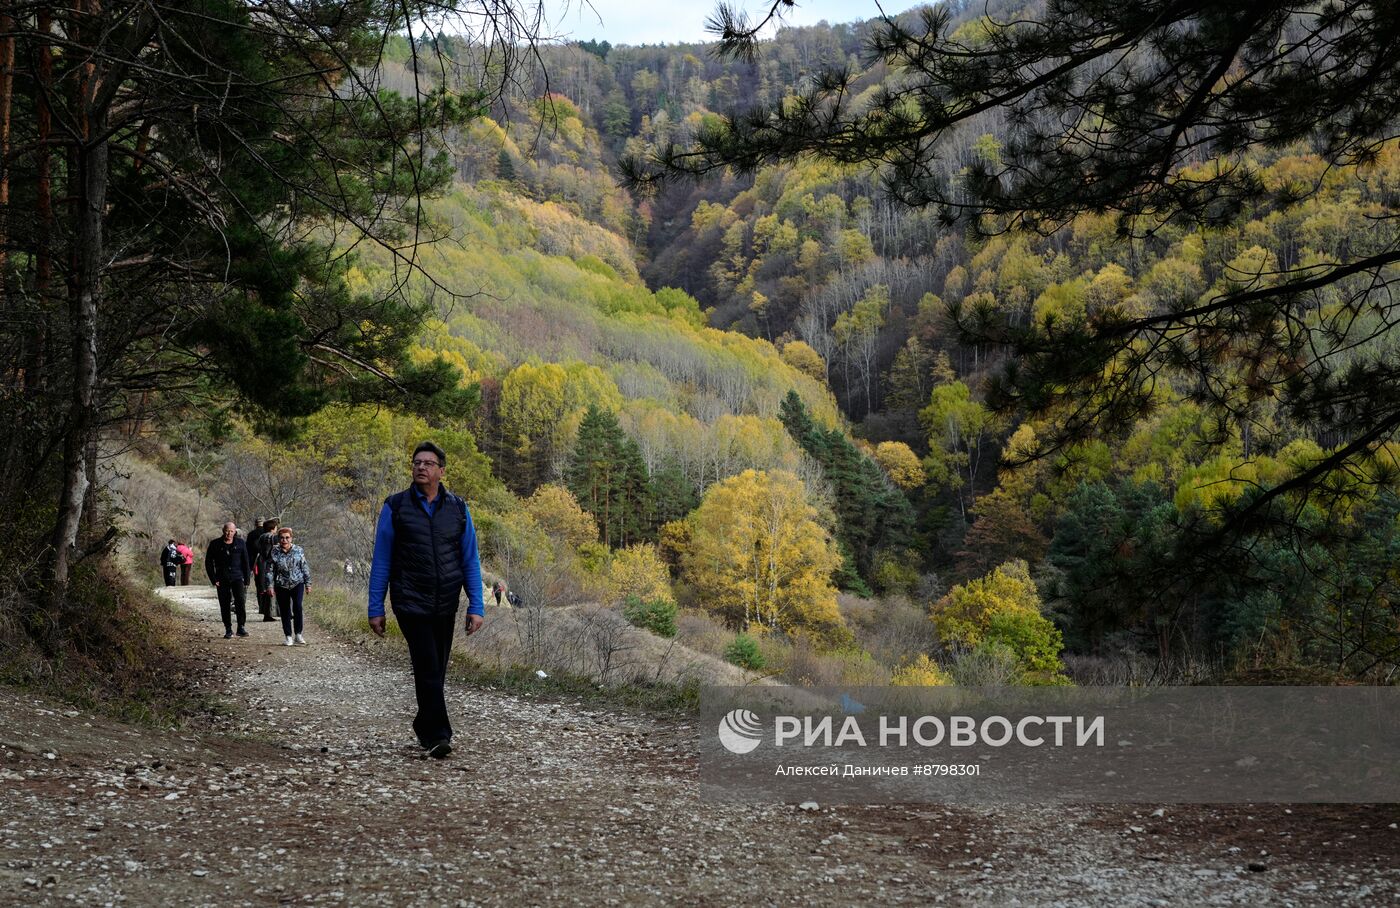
(440, 750)
(268, 618)
(242, 632)
(228, 633)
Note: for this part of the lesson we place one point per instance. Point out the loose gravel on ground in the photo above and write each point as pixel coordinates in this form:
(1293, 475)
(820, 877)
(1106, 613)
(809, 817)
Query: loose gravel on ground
(310, 791)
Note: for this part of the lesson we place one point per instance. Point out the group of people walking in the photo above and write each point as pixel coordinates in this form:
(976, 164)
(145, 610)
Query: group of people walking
(176, 559)
(268, 560)
(425, 557)
(498, 590)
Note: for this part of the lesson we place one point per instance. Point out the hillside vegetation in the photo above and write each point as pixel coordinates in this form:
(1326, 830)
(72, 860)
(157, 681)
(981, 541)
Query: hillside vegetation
(773, 413)
(883, 302)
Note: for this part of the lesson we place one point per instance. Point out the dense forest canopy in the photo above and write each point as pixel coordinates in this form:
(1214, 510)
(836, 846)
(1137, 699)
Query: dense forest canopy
(1154, 178)
(1155, 115)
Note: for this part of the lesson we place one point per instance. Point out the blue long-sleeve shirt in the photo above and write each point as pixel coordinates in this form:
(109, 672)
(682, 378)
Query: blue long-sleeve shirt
(384, 550)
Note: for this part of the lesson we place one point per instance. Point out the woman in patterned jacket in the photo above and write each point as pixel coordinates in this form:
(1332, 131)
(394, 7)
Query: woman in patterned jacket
(291, 579)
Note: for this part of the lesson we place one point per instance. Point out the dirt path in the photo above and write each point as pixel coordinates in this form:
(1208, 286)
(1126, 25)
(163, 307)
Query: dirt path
(309, 792)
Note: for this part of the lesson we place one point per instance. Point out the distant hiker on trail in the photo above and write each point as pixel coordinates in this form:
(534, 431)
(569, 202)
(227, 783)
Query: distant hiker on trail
(260, 545)
(254, 538)
(229, 568)
(424, 553)
(512, 600)
(267, 599)
(498, 590)
(170, 562)
(186, 562)
(291, 579)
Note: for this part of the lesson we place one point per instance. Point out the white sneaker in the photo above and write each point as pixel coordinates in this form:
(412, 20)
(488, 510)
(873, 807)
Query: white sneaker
(301, 640)
(289, 641)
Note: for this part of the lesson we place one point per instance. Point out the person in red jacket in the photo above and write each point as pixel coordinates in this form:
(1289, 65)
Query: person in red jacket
(186, 562)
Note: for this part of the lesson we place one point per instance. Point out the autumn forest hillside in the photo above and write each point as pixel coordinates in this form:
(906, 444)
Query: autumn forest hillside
(790, 414)
(862, 305)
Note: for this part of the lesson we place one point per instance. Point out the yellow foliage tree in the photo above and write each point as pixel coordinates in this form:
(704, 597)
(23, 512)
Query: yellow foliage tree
(532, 403)
(364, 451)
(639, 571)
(1002, 609)
(964, 614)
(804, 359)
(759, 556)
(540, 408)
(557, 512)
(673, 541)
(901, 463)
(922, 672)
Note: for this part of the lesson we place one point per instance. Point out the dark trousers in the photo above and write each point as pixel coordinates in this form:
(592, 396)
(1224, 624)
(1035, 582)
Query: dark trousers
(263, 591)
(429, 639)
(231, 593)
(169, 575)
(289, 605)
(184, 575)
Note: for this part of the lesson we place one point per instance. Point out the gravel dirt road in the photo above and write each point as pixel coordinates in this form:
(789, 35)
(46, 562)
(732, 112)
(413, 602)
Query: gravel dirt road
(308, 790)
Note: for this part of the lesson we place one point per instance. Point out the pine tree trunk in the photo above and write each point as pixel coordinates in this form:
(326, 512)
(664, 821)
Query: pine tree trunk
(7, 86)
(43, 194)
(84, 297)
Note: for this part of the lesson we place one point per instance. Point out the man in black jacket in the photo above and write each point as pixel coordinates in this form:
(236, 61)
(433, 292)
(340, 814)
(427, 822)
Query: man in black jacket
(260, 544)
(254, 543)
(169, 562)
(229, 568)
(425, 554)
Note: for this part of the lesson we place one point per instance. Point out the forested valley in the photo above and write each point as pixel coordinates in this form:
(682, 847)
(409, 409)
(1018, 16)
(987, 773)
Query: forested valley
(773, 413)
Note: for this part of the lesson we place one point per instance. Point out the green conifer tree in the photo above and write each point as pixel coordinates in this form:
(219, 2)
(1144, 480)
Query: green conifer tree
(871, 513)
(609, 478)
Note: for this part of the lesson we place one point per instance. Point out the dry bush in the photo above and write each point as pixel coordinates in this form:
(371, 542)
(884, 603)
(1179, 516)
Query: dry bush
(594, 642)
(338, 534)
(1112, 671)
(702, 632)
(255, 480)
(799, 662)
(20, 659)
(893, 630)
(331, 532)
(1131, 669)
(112, 646)
(985, 667)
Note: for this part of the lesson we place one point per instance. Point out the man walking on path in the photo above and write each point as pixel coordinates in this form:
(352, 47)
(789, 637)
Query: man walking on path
(254, 543)
(229, 568)
(169, 562)
(261, 542)
(424, 553)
